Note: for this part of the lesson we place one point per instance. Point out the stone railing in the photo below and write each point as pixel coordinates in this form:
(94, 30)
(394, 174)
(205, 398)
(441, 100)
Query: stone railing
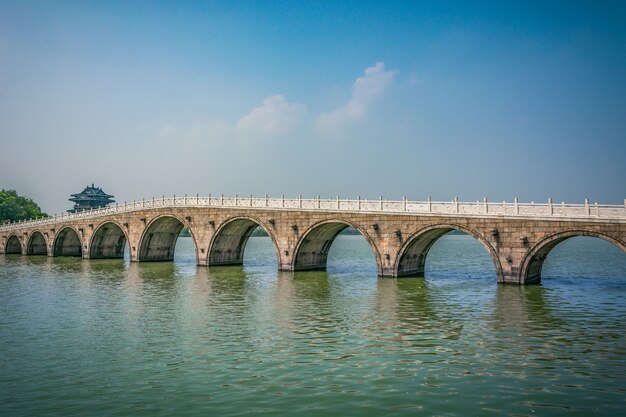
(454, 207)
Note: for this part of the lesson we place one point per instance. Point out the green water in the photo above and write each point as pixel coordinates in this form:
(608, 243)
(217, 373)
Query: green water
(111, 338)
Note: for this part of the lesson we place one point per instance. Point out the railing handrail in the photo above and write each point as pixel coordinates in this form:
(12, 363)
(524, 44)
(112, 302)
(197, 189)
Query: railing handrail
(474, 208)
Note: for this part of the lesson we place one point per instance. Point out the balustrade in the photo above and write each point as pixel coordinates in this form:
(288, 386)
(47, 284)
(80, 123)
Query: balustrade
(453, 207)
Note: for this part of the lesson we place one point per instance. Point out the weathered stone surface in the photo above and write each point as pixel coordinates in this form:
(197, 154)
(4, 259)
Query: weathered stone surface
(302, 238)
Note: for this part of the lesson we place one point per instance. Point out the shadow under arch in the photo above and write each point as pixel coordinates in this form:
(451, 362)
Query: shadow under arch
(312, 249)
(13, 246)
(36, 244)
(158, 240)
(532, 264)
(229, 241)
(67, 243)
(108, 241)
(411, 259)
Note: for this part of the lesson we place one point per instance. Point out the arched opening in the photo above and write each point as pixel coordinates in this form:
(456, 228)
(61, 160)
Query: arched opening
(159, 240)
(314, 247)
(260, 251)
(575, 254)
(36, 244)
(230, 241)
(67, 243)
(108, 242)
(185, 250)
(453, 250)
(13, 246)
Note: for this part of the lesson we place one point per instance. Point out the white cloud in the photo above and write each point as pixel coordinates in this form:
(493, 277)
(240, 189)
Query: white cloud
(275, 116)
(365, 92)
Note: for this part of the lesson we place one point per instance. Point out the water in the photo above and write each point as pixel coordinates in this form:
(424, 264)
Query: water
(111, 338)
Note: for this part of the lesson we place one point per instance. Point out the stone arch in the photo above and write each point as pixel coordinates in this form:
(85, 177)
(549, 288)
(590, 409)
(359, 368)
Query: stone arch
(159, 238)
(311, 252)
(13, 245)
(37, 244)
(532, 264)
(108, 241)
(229, 241)
(412, 256)
(67, 243)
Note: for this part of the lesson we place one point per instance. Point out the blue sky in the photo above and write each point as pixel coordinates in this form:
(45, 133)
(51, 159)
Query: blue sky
(467, 99)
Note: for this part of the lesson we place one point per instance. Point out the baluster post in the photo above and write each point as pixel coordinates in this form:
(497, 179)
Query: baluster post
(550, 209)
(485, 205)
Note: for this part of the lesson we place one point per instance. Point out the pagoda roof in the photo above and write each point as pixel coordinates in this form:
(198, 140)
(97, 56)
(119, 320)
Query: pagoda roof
(91, 193)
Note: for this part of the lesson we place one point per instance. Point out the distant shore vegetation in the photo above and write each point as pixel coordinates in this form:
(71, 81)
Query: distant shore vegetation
(14, 207)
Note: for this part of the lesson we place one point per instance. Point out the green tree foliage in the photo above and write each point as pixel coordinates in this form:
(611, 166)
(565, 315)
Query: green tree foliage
(14, 207)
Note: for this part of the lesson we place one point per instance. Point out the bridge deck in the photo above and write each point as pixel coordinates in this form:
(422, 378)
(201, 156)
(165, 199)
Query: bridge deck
(561, 211)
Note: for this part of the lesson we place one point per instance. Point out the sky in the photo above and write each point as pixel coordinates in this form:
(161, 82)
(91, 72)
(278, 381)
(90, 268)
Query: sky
(353, 98)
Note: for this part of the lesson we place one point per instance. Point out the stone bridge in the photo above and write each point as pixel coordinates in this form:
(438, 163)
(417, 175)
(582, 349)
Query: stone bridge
(400, 233)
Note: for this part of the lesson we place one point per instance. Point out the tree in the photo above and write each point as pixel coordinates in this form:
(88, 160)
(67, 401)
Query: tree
(14, 207)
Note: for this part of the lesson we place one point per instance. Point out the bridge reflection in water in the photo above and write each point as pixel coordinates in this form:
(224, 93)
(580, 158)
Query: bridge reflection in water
(286, 339)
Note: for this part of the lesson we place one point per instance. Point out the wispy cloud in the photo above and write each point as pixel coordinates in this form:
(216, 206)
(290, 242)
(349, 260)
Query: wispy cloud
(275, 116)
(365, 91)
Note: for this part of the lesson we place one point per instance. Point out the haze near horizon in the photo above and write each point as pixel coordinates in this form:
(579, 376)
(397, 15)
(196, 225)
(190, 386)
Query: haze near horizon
(421, 99)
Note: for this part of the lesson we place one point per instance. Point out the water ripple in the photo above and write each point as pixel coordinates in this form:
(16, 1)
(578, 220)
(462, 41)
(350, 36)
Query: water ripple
(117, 339)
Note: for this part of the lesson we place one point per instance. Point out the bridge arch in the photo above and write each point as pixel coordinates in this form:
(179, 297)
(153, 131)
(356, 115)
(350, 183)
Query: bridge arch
(108, 241)
(37, 244)
(13, 245)
(158, 240)
(229, 241)
(411, 259)
(311, 252)
(67, 243)
(532, 264)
